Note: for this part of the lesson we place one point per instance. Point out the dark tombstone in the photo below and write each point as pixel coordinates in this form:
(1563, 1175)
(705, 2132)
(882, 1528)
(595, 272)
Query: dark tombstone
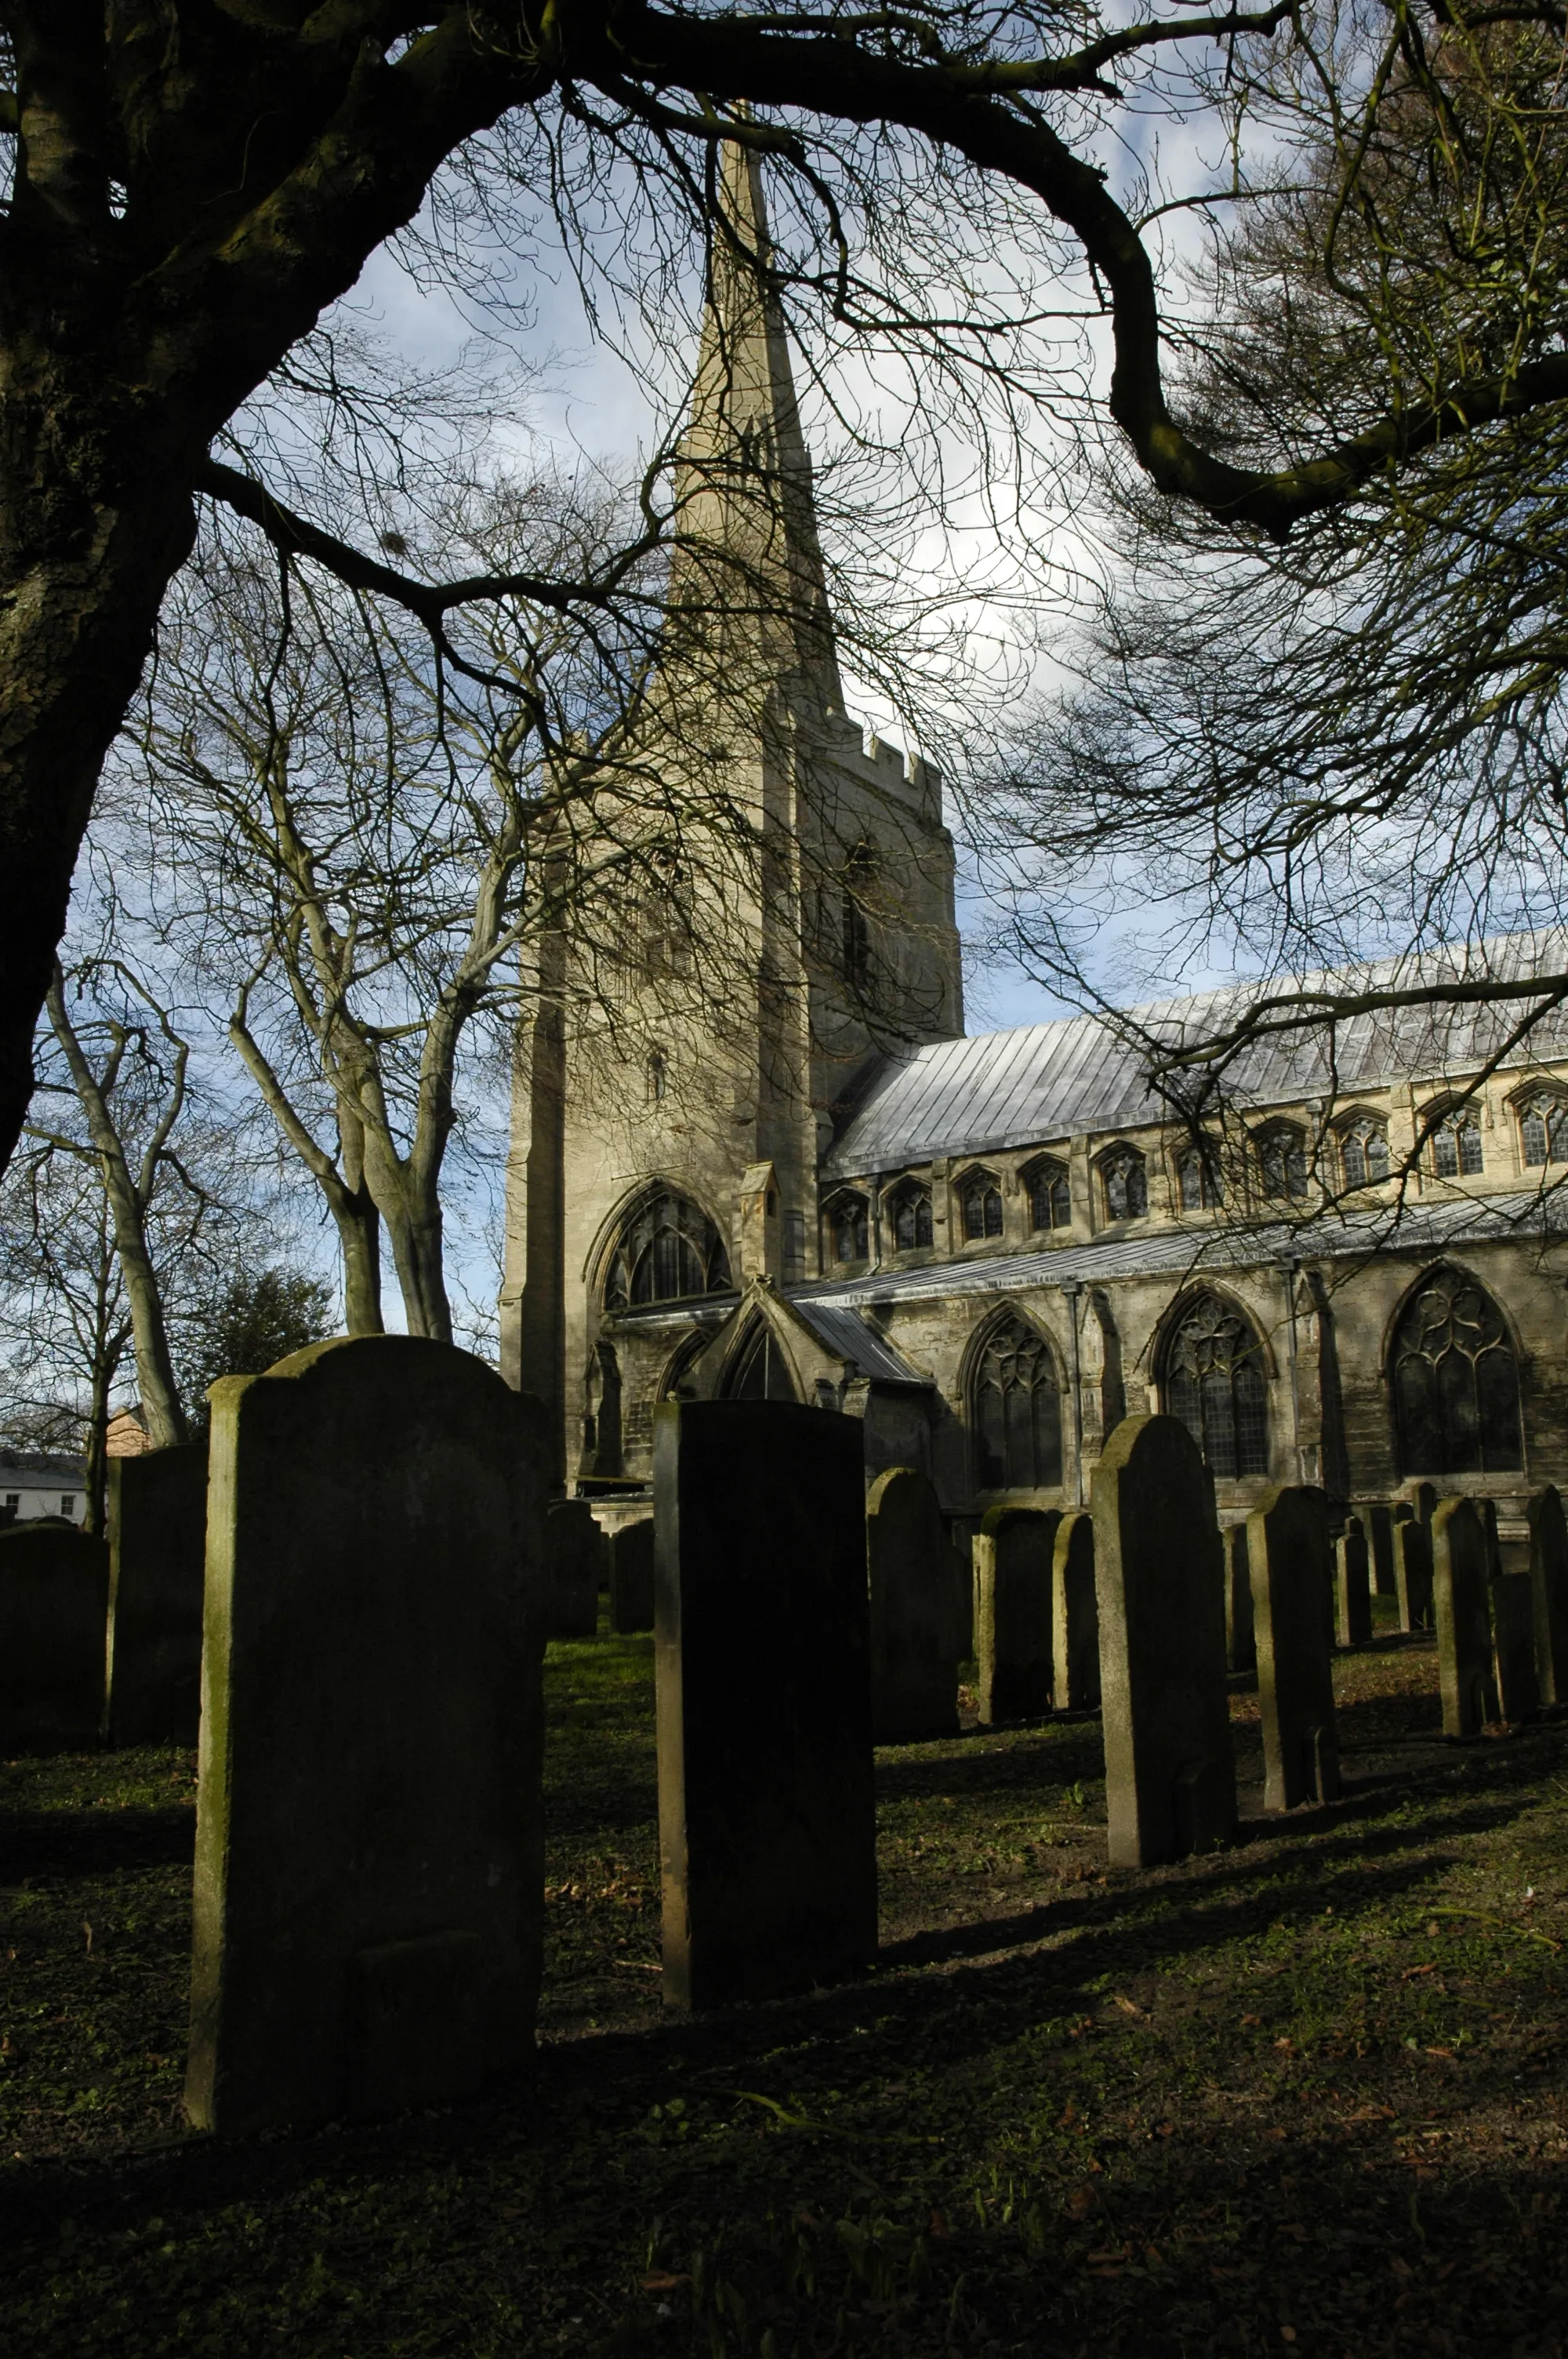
(158, 1564)
(1287, 1549)
(1170, 1777)
(1074, 1633)
(632, 1577)
(1412, 1572)
(1423, 1498)
(1376, 1523)
(1513, 1647)
(1463, 1626)
(767, 1811)
(369, 1834)
(1012, 1611)
(1352, 1585)
(574, 1558)
(1241, 1644)
(915, 1662)
(54, 1607)
(1549, 1584)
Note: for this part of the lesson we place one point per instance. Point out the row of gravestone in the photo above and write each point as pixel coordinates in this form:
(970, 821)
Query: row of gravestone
(368, 1892)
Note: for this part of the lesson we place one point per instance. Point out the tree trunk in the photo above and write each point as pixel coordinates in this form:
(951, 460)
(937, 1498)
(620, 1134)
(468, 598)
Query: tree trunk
(359, 1237)
(95, 515)
(96, 1519)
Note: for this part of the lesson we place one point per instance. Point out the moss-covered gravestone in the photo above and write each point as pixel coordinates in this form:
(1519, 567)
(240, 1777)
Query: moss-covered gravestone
(914, 1660)
(1464, 1625)
(1376, 1523)
(158, 1549)
(54, 1605)
(573, 1555)
(1288, 1548)
(1413, 1572)
(1352, 1584)
(767, 1812)
(1013, 1607)
(1516, 1681)
(1170, 1777)
(1549, 1583)
(1241, 1644)
(1074, 1623)
(632, 1577)
(369, 1855)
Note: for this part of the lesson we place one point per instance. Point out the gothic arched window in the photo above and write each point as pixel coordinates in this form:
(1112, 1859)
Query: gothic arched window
(1050, 1194)
(1456, 1381)
(1215, 1382)
(909, 1216)
(848, 1227)
(1015, 1407)
(758, 1370)
(1124, 1184)
(669, 1251)
(1456, 1151)
(1197, 1178)
(1544, 1128)
(1280, 1150)
(981, 1200)
(1364, 1152)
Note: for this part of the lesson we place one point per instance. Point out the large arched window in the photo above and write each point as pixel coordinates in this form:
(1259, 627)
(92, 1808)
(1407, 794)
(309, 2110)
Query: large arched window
(1456, 1381)
(1215, 1382)
(669, 1251)
(1015, 1407)
(1050, 1194)
(758, 1370)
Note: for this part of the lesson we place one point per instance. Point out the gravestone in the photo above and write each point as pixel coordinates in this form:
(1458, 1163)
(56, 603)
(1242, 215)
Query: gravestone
(574, 1558)
(1352, 1584)
(1412, 1572)
(1517, 1683)
(1287, 1549)
(1013, 1609)
(369, 1844)
(1549, 1584)
(1074, 1627)
(1463, 1626)
(762, 1650)
(1241, 1644)
(632, 1577)
(914, 1661)
(1170, 1777)
(1377, 1523)
(158, 1549)
(54, 1607)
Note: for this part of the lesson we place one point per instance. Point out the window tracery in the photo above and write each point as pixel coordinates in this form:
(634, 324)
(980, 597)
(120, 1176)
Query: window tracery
(1456, 1149)
(981, 1198)
(1050, 1194)
(758, 1370)
(1280, 1150)
(909, 1216)
(1543, 1128)
(1015, 1407)
(1198, 1179)
(1364, 1152)
(848, 1228)
(1456, 1381)
(669, 1251)
(1216, 1383)
(1124, 1184)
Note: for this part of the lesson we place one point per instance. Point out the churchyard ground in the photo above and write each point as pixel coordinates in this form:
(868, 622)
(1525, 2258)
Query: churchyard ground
(1303, 2095)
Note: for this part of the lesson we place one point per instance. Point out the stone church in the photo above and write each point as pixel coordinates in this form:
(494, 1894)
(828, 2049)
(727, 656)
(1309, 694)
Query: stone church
(764, 1160)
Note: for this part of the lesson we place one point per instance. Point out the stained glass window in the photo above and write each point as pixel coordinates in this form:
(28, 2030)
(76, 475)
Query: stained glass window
(669, 1250)
(1216, 1383)
(1456, 1381)
(1456, 1146)
(1198, 1180)
(1543, 1128)
(1282, 1160)
(1050, 1196)
(1124, 1181)
(981, 1200)
(1364, 1153)
(1016, 1410)
(909, 1214)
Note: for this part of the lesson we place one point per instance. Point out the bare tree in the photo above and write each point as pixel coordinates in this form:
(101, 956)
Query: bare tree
(177, 221)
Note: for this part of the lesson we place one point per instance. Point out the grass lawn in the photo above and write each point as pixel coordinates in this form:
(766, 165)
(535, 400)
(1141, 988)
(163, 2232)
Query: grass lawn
(1304, 2095)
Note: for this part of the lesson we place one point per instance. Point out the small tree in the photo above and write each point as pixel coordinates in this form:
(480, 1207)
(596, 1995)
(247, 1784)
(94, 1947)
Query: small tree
(246, 1327)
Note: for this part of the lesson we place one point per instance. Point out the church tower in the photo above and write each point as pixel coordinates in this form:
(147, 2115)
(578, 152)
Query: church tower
(780, 913)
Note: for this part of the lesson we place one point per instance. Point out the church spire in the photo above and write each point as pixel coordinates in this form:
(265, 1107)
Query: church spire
(750, 554)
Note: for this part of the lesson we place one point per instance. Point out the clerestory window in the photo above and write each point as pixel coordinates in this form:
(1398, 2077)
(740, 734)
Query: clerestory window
(1124, 1184)
(981, 1199)
(909, 1217)
(1543, 1128)
(1050, 1194)
(1364, 1152)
